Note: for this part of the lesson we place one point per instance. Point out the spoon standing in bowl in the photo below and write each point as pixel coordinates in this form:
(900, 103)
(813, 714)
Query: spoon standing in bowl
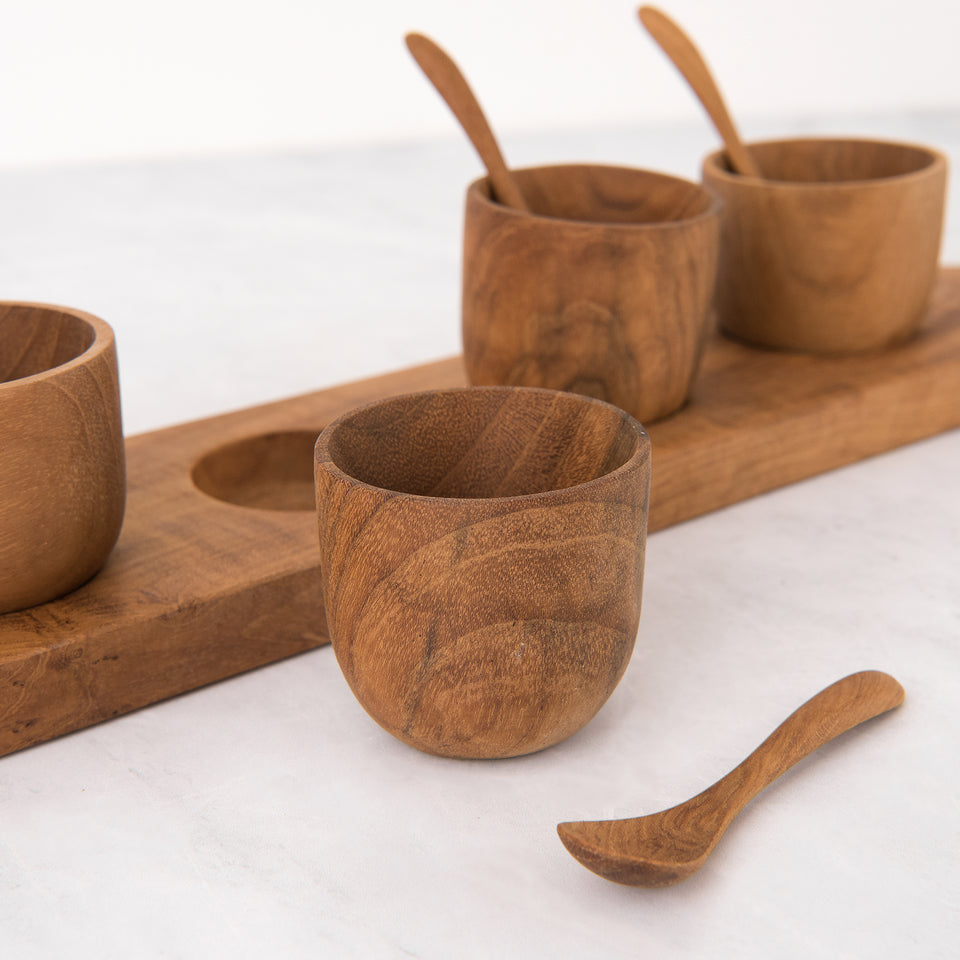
(689, 61)
(451, 84)
(664, 848)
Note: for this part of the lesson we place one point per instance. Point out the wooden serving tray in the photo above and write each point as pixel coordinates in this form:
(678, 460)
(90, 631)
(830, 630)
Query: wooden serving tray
(200, 588)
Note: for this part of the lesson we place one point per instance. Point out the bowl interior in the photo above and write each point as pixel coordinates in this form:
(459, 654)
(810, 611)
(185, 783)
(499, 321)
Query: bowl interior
(836, 161)
(482, 442)
(600, 194)
(36, 339)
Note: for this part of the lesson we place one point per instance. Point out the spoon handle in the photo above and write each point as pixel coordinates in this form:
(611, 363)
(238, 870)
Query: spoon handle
(451, 84)
(689, 61)
(833, 711)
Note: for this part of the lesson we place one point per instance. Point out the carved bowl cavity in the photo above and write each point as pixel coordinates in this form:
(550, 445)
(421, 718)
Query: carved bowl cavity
(273, 471)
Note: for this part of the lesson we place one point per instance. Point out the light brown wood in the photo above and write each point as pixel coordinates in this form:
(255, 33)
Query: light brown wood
(690, 62)
(836, 250)
(451, 84)
(482, 560)
(200, 587)
(61, 451)
(603, 289)
(664, 848)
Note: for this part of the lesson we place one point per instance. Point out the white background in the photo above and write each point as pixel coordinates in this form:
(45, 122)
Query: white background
(293, 234)
(114, 78)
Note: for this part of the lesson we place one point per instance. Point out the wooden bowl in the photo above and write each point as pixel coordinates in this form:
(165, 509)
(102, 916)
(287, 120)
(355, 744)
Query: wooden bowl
(603, 289)
(482, 562)
(835, 250)
(62, 482)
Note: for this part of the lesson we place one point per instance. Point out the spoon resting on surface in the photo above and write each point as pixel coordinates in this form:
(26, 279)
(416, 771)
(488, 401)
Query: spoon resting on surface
(451, 84)
(689, 61)
(664, 848)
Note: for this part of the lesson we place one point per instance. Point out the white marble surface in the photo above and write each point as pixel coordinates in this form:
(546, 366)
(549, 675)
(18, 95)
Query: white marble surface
(267, 816)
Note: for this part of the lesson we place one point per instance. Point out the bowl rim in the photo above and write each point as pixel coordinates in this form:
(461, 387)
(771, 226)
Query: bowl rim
(475, 192)
(936, 163)
(103, 340)
(324, 461)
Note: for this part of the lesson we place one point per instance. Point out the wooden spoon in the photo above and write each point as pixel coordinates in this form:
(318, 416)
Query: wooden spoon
(689, 61)
(451, 84)
(665, 848)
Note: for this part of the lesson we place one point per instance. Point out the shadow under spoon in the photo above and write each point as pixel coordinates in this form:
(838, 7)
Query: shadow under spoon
(451, 84)
(664, 848)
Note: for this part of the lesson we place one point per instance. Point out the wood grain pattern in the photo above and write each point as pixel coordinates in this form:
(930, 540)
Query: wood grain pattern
(451, 84)
(604, 289)
(664, 848)
(482, 560)
(836, 250)
(200, 588)
(690, 62)
(61, 451)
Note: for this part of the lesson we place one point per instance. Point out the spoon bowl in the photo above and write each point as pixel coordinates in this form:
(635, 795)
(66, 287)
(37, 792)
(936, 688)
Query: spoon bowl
(664, 848)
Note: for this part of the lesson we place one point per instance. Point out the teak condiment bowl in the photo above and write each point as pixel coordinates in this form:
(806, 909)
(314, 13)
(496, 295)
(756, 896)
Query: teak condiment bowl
(834, 250)
(603, 288)
(481, 554)
(62, 478)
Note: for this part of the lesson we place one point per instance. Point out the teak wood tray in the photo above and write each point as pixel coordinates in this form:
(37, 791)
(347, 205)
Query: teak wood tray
(200, 588)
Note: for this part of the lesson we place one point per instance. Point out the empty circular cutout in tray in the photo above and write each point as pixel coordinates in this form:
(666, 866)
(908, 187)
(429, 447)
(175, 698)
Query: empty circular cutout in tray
(273, 471)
